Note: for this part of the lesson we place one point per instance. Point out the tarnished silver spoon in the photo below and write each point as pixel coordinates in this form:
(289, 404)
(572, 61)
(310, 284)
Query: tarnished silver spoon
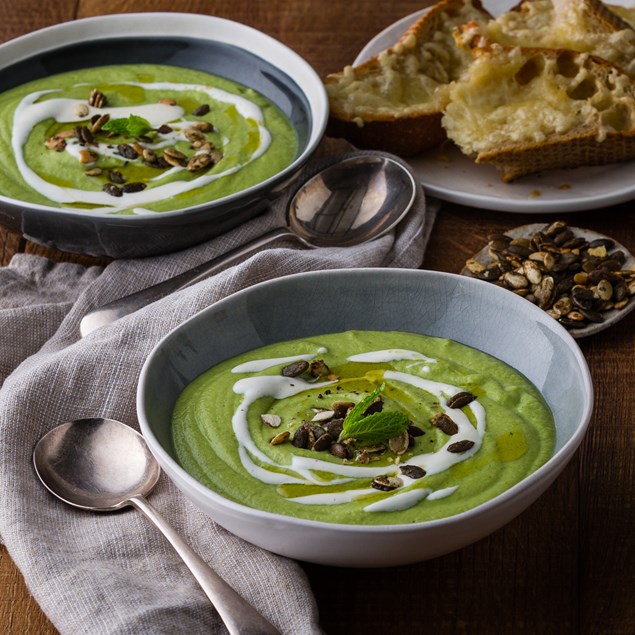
(348, 203)
(104, 465)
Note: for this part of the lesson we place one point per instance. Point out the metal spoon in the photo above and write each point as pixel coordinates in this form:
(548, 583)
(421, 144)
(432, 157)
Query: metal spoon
(104, 465)
(351, 202)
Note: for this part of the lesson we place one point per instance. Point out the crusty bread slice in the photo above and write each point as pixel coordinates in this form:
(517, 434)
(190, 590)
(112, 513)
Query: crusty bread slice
(525, 110)
(395, 100)
(588, 26)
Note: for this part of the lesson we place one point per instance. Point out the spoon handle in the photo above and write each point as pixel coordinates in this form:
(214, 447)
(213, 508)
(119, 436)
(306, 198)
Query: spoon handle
(239, 616)
(116, 309)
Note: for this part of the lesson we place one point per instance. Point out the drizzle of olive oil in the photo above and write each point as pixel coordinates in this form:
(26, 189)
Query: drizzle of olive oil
(293, 490)
(511, 445)
(125, 93)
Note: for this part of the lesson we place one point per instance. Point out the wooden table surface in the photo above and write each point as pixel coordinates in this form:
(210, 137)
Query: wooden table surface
(566, 565)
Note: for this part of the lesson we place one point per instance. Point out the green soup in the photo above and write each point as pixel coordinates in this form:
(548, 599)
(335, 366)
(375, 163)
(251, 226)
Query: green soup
(459, 427)
(138, 139)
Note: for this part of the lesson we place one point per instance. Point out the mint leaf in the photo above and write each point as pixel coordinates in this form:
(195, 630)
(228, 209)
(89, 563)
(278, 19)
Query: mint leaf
(380, 426)
(376, 427)
(133, 126)
(359, 409)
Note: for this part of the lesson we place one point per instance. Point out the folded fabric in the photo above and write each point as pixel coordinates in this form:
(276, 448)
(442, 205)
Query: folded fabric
(115, 573)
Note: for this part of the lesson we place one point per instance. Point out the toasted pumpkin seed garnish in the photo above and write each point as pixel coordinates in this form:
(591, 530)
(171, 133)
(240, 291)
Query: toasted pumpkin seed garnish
(445, 423)
(412, 471)
(130, 188)
(322, 442)
(460, 400)
(201, 110)
(281, 437)
(400, 444)
(386, 483)
(81, 110)
(99, 123)
(318, 368)
(198, 162)
(193, 134)
(116, 177)
(323, 415)
(301, 437)
(112, 189)
(460, 446)
(340, 450)
(271, 420)
(564, 274)
(127, 151)
(97, 99)
(86, 156)
(203, 126)
(56, 143)
(294, 369)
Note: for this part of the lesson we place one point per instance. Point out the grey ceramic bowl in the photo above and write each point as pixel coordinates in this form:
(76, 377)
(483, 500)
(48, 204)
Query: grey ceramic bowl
(199, 42)
(470, 311)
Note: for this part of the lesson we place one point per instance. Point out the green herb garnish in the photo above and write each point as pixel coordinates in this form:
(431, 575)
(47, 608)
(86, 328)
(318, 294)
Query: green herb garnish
(133, 126)
(373, 428)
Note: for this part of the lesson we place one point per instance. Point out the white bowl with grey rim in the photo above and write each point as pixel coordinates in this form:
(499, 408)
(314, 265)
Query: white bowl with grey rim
(470, 311)
(207, 43)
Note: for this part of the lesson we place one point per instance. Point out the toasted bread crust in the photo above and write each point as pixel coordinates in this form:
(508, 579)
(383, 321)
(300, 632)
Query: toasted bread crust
(403, 136)
(574, 152)
(409, 82)
(604, 17)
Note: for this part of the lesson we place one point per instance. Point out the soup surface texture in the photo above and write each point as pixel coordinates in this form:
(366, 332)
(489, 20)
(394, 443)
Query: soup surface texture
(136, 139)
(440, 428)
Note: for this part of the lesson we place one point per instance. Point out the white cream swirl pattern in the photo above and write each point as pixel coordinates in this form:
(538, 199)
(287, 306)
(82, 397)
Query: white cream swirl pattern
(30, 112)
(302, 468)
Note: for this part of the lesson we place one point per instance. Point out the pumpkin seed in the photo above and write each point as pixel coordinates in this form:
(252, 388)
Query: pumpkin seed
(97, 99)
(340, 450)
(412, 471)
(460, 446)
(273, 421)
(460, 400)
(386, 483)
(295, 368)
(445, 423)
(281, 437)
(399, 444)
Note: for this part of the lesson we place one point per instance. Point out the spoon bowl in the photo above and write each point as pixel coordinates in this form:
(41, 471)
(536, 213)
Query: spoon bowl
(95, 464)
(351, 202)
(104, 465)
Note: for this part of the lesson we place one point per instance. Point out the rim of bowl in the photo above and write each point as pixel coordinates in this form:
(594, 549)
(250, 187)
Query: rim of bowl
(195, 26)
(555, 463)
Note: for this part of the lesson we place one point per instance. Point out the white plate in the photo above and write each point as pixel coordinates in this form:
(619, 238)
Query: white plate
(449, 175)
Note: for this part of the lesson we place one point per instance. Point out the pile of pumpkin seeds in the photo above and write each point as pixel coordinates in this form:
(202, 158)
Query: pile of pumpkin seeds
(576, 281)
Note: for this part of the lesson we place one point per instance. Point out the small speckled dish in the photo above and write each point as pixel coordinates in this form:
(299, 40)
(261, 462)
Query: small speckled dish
(483, 316)
(214, 45)
(610, 317)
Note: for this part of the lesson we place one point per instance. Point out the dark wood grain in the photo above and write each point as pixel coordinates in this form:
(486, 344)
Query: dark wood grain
(566, 565)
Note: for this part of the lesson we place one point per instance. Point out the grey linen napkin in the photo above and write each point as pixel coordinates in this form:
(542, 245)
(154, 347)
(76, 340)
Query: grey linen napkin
(115, 573)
